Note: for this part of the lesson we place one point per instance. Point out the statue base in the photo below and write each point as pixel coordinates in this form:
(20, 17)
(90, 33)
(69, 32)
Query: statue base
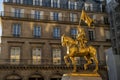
(81, 76)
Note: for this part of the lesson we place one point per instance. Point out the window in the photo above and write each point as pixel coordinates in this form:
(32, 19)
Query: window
(36, 14)
(56, 56)
(91, 34)
(106, 20)
(28, 2)
(16, 12)
(73, 17)
(37, 31)
(37, 2)
(71, 5)
(16, 30)
(18, 1)
(56, 33)
(15, 55)
(36, 55)
(55, 3)
(88, 7)
(46, 3)
(73, 33)
(55, 16)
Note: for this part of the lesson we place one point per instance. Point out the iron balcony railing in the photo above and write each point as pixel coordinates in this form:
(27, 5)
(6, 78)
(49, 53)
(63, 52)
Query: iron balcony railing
(46, 18)
(37, 17)
(61, 5)
(40, 62)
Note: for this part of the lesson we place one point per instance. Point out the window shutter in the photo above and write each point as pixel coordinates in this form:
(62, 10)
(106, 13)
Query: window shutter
(21, 1)
(51, 15)
(34, 2)
(12, 11)
(60, 16)
(69, 4)
(51, 3)
(40, 2)
(32, 14)
(75, 17)
(58, 3)
(91, 7)
(41, 15)
(22, 13)
(75, 5)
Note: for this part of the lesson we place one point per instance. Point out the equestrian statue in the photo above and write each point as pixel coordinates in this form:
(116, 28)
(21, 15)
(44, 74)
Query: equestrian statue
(78, 48)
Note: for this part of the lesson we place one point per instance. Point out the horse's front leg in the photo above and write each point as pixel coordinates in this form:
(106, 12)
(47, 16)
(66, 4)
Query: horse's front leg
(74, 64)
(88, 62)
(66, 60)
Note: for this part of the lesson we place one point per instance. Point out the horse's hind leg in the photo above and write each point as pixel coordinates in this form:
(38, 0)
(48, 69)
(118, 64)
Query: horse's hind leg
(74, 64)
(88, 62)
(96, 63)
(66, 60)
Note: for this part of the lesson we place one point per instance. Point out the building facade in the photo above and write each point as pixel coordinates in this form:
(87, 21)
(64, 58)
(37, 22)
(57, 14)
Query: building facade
(31, 37)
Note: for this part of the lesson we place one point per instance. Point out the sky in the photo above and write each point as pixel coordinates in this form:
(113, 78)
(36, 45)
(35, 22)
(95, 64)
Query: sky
(1, 5)
(1, 9)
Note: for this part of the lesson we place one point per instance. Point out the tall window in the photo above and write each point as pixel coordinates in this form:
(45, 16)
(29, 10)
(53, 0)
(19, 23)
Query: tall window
(55, 3)
(15, 55)
(56, 32)
(36, 55)
(91, 34)
(71, 5)
(56, 56)
(16, 12)
(88, 7)
(73, 33)
(46, 3)
(37, 31)
(16, 30)
(55, 16)
(18, 1)
(28, 2)
(36, 14)
(37, 2)
(73, 17)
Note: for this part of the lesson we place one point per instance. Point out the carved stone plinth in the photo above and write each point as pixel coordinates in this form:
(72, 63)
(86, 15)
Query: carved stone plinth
(81, 76)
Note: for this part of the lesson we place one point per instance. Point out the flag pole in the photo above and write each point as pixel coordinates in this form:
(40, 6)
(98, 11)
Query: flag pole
(81, 13)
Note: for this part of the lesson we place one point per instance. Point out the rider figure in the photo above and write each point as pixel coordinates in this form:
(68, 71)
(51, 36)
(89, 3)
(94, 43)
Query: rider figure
(81, 37)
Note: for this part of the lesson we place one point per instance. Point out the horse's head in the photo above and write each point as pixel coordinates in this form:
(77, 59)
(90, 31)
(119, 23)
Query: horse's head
(63, 40)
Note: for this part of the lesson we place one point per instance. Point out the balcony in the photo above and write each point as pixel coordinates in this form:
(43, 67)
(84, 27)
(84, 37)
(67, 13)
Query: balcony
(38, 18)
(48, 4)
(44, 18)
(45, 64)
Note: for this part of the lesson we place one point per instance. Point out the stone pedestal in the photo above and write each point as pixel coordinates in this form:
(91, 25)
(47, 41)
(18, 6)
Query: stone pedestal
(81, 76)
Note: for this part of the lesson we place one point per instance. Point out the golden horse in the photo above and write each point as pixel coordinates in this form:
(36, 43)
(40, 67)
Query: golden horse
(73, 51)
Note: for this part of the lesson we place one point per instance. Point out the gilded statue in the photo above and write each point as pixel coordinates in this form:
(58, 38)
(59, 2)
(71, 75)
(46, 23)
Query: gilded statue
(78, 48)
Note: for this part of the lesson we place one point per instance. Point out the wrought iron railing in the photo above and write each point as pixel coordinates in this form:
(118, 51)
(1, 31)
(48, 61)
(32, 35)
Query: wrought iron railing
(46, 18)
